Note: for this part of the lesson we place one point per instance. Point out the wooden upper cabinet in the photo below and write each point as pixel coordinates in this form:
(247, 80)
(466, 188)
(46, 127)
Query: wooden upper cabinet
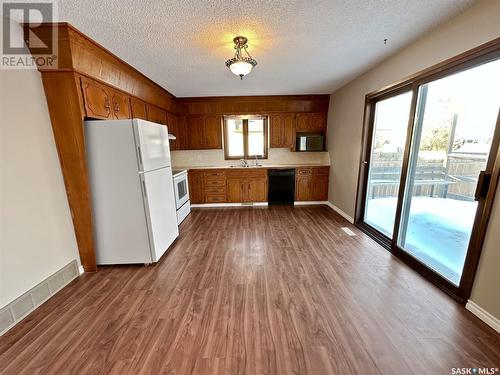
(121, 105)
(204, 132)
(288, 137)
(319, 121)
(304, 122)
(275, 125)
(97, 99)
(182, 135)
(195, 132)
(138, 109)
(212, 132)
(173, 129)
(156, 114)
(311, 122)
(282, 127)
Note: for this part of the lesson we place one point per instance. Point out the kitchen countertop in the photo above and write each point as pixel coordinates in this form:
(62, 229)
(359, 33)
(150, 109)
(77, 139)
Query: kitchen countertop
(251, 167)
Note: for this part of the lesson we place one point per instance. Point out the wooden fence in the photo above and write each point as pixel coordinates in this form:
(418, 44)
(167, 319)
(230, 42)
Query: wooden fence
(454, 176)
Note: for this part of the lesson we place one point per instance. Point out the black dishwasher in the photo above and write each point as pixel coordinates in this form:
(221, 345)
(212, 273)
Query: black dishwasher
(281, 186)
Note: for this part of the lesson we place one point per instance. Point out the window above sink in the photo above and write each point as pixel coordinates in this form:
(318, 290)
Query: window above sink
(245, 137)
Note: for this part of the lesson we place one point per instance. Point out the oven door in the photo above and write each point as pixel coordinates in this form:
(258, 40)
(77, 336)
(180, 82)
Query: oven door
(181, 190)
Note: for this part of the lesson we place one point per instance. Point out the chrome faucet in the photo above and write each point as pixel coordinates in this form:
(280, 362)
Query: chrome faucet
(244, 163)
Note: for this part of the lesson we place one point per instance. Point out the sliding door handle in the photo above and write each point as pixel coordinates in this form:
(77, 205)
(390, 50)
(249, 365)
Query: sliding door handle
(483, 184)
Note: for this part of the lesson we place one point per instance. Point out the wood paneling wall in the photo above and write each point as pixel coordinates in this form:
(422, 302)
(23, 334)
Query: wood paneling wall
(80, 58)
(79, 53)
(254, 104)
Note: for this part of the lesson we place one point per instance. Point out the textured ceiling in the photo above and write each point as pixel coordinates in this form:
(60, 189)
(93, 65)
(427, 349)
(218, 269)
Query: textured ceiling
(302, 47)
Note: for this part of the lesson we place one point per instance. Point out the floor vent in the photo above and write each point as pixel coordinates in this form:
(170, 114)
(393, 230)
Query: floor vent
(348, 231)
(18, 309)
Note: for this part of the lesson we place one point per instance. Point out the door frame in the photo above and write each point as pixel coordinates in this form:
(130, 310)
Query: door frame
(477, 56)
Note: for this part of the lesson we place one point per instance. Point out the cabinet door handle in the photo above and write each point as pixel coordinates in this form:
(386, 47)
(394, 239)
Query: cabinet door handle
(106, 103)
(117, 107)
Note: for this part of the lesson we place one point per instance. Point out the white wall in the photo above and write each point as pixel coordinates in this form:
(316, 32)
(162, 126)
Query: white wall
(477, 25)
(36, 231)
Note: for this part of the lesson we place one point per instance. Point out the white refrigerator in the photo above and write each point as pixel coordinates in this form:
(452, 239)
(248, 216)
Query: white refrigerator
(133, 202)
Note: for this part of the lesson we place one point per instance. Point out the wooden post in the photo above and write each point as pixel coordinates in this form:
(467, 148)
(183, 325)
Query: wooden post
(63, 99)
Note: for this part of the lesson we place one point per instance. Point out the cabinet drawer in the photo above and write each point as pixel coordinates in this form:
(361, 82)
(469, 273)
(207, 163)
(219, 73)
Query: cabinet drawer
(214, 182)
(215, 198)
(216, 173)
(321, 171)
(215, 189)
(304, 171)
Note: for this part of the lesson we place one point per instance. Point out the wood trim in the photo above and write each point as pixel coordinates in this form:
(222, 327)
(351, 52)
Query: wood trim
(81, 54)
(474, 57)
(61, 91)
(482, 217)
(245, 155)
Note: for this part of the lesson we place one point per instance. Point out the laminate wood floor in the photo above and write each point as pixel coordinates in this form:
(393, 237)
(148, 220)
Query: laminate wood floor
(278, 290)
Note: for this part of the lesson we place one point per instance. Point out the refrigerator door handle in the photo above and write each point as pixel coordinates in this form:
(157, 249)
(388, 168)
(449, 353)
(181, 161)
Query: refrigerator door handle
(144, 188)
(140, 156)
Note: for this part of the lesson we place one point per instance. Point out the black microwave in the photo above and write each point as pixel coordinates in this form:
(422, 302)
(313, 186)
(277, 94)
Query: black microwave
(309, 142)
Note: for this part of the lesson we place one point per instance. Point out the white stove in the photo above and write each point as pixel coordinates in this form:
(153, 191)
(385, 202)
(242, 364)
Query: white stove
(181, 192)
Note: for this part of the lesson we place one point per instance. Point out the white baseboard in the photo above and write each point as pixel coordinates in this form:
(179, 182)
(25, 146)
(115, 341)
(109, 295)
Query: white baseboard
(81, 270)
(218, 205)
(340, 212)
(484, 315)
(17, 310)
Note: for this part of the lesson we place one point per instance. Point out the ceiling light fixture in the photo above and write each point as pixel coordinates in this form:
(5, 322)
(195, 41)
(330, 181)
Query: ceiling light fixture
(241, 65)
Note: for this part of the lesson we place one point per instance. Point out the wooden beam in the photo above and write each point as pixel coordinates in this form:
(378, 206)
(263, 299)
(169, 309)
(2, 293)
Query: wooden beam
(63, 99)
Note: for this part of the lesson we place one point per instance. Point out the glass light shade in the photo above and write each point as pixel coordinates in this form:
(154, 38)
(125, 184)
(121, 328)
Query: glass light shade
(241, 68)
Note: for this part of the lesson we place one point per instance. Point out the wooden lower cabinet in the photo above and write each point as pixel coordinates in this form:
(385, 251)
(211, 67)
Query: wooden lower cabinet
(246, 189)
(251, 185)
(235, 190)
(311, 184)
(257, 190)
(196, 186)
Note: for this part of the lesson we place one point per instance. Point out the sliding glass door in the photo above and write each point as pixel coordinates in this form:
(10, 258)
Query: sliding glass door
(430, 149)
(390, 126)
(452, 136)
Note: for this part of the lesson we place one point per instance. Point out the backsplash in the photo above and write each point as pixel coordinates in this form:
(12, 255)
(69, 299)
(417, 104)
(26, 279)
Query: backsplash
(277, 156)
